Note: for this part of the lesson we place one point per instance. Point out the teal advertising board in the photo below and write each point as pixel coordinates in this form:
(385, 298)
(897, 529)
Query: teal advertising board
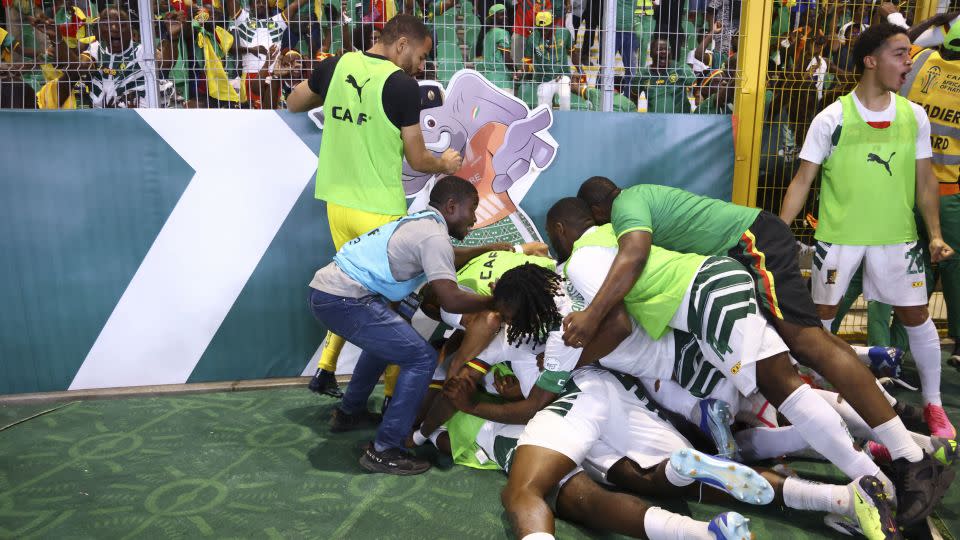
(162, 246)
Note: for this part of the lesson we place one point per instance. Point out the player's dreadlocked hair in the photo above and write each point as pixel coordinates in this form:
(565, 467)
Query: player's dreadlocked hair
(528, 290)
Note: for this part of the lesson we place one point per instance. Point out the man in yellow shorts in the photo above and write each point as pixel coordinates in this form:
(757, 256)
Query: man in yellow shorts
(372, 121)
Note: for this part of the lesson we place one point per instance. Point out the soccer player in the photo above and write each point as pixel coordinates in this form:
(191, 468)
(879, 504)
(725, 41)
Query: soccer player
(689, 292)
(350, 296)
(578, 498)
(874, 149)
(373, 123)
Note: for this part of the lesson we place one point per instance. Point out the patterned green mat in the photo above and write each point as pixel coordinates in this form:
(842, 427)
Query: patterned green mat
(262, 464)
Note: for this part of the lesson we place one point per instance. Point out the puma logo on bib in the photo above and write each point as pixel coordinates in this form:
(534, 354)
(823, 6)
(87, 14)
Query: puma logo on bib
(358, 87)
(873, 158)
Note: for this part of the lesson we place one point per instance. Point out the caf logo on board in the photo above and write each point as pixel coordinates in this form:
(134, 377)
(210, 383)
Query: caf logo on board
(931, 77)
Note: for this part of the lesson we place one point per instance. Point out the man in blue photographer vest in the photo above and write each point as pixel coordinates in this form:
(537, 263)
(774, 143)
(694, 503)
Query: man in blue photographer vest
(351, 298)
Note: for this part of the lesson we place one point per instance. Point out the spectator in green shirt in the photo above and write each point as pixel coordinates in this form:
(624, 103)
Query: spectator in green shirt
(665, 81)
(497, 59)
(548, 48)
(717, 96)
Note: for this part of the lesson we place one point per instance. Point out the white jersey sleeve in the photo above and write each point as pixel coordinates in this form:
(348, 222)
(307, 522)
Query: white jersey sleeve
(588, 267)
(818, 144)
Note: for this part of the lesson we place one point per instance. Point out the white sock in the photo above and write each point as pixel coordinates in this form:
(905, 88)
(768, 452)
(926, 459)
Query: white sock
(676, 478)
(825, 432)
(436, 434)
(890, 399)
(827, 325)
(539, 536)
(805, 495)
(660, 524)
(857, 426)
(764, 443)
(863, 353)
(671, 396)
(923, 441)
(894, 435)
(925, 348)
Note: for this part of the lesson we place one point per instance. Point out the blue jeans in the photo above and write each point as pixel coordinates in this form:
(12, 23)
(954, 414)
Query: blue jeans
(384, 338)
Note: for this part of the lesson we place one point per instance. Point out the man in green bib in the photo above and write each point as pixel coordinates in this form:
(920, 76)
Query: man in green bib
(874, 148)
(371, 122)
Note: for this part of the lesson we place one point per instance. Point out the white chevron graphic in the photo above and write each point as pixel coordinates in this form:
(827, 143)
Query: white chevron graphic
(250, 170)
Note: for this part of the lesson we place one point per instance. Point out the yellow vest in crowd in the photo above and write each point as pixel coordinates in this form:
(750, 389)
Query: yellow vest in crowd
(936, 87)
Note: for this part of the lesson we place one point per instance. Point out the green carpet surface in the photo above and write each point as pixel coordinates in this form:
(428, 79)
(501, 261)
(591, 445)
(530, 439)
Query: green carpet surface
(263, 464)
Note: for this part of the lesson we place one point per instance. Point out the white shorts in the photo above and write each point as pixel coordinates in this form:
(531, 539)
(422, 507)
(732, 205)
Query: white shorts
(892, 274)
(603, 411)
(498, 442)
(748, 337)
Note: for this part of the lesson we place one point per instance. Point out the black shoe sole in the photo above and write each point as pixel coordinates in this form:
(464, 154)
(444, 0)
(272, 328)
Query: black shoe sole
(375, 467)
(874, 490)
(939, 491)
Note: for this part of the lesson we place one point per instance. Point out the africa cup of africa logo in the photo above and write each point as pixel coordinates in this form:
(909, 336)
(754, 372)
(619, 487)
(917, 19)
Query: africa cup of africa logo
(929, 79)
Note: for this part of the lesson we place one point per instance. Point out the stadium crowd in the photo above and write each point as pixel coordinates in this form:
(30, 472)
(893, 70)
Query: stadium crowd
(63, 54)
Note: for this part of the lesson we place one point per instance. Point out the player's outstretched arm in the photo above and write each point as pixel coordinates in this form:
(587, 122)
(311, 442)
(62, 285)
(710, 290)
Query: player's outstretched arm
(460, 392)
(798, 190)
(455, 300)
(423, 160)
(580, 327)
(928, 200)
(442, 408)
(615, 328)
(302, 98)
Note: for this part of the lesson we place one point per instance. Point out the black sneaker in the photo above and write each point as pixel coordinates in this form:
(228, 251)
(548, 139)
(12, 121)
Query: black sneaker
(341, 421)
(325, 382)
(393, 461)
(912, 416)
(919, 487)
